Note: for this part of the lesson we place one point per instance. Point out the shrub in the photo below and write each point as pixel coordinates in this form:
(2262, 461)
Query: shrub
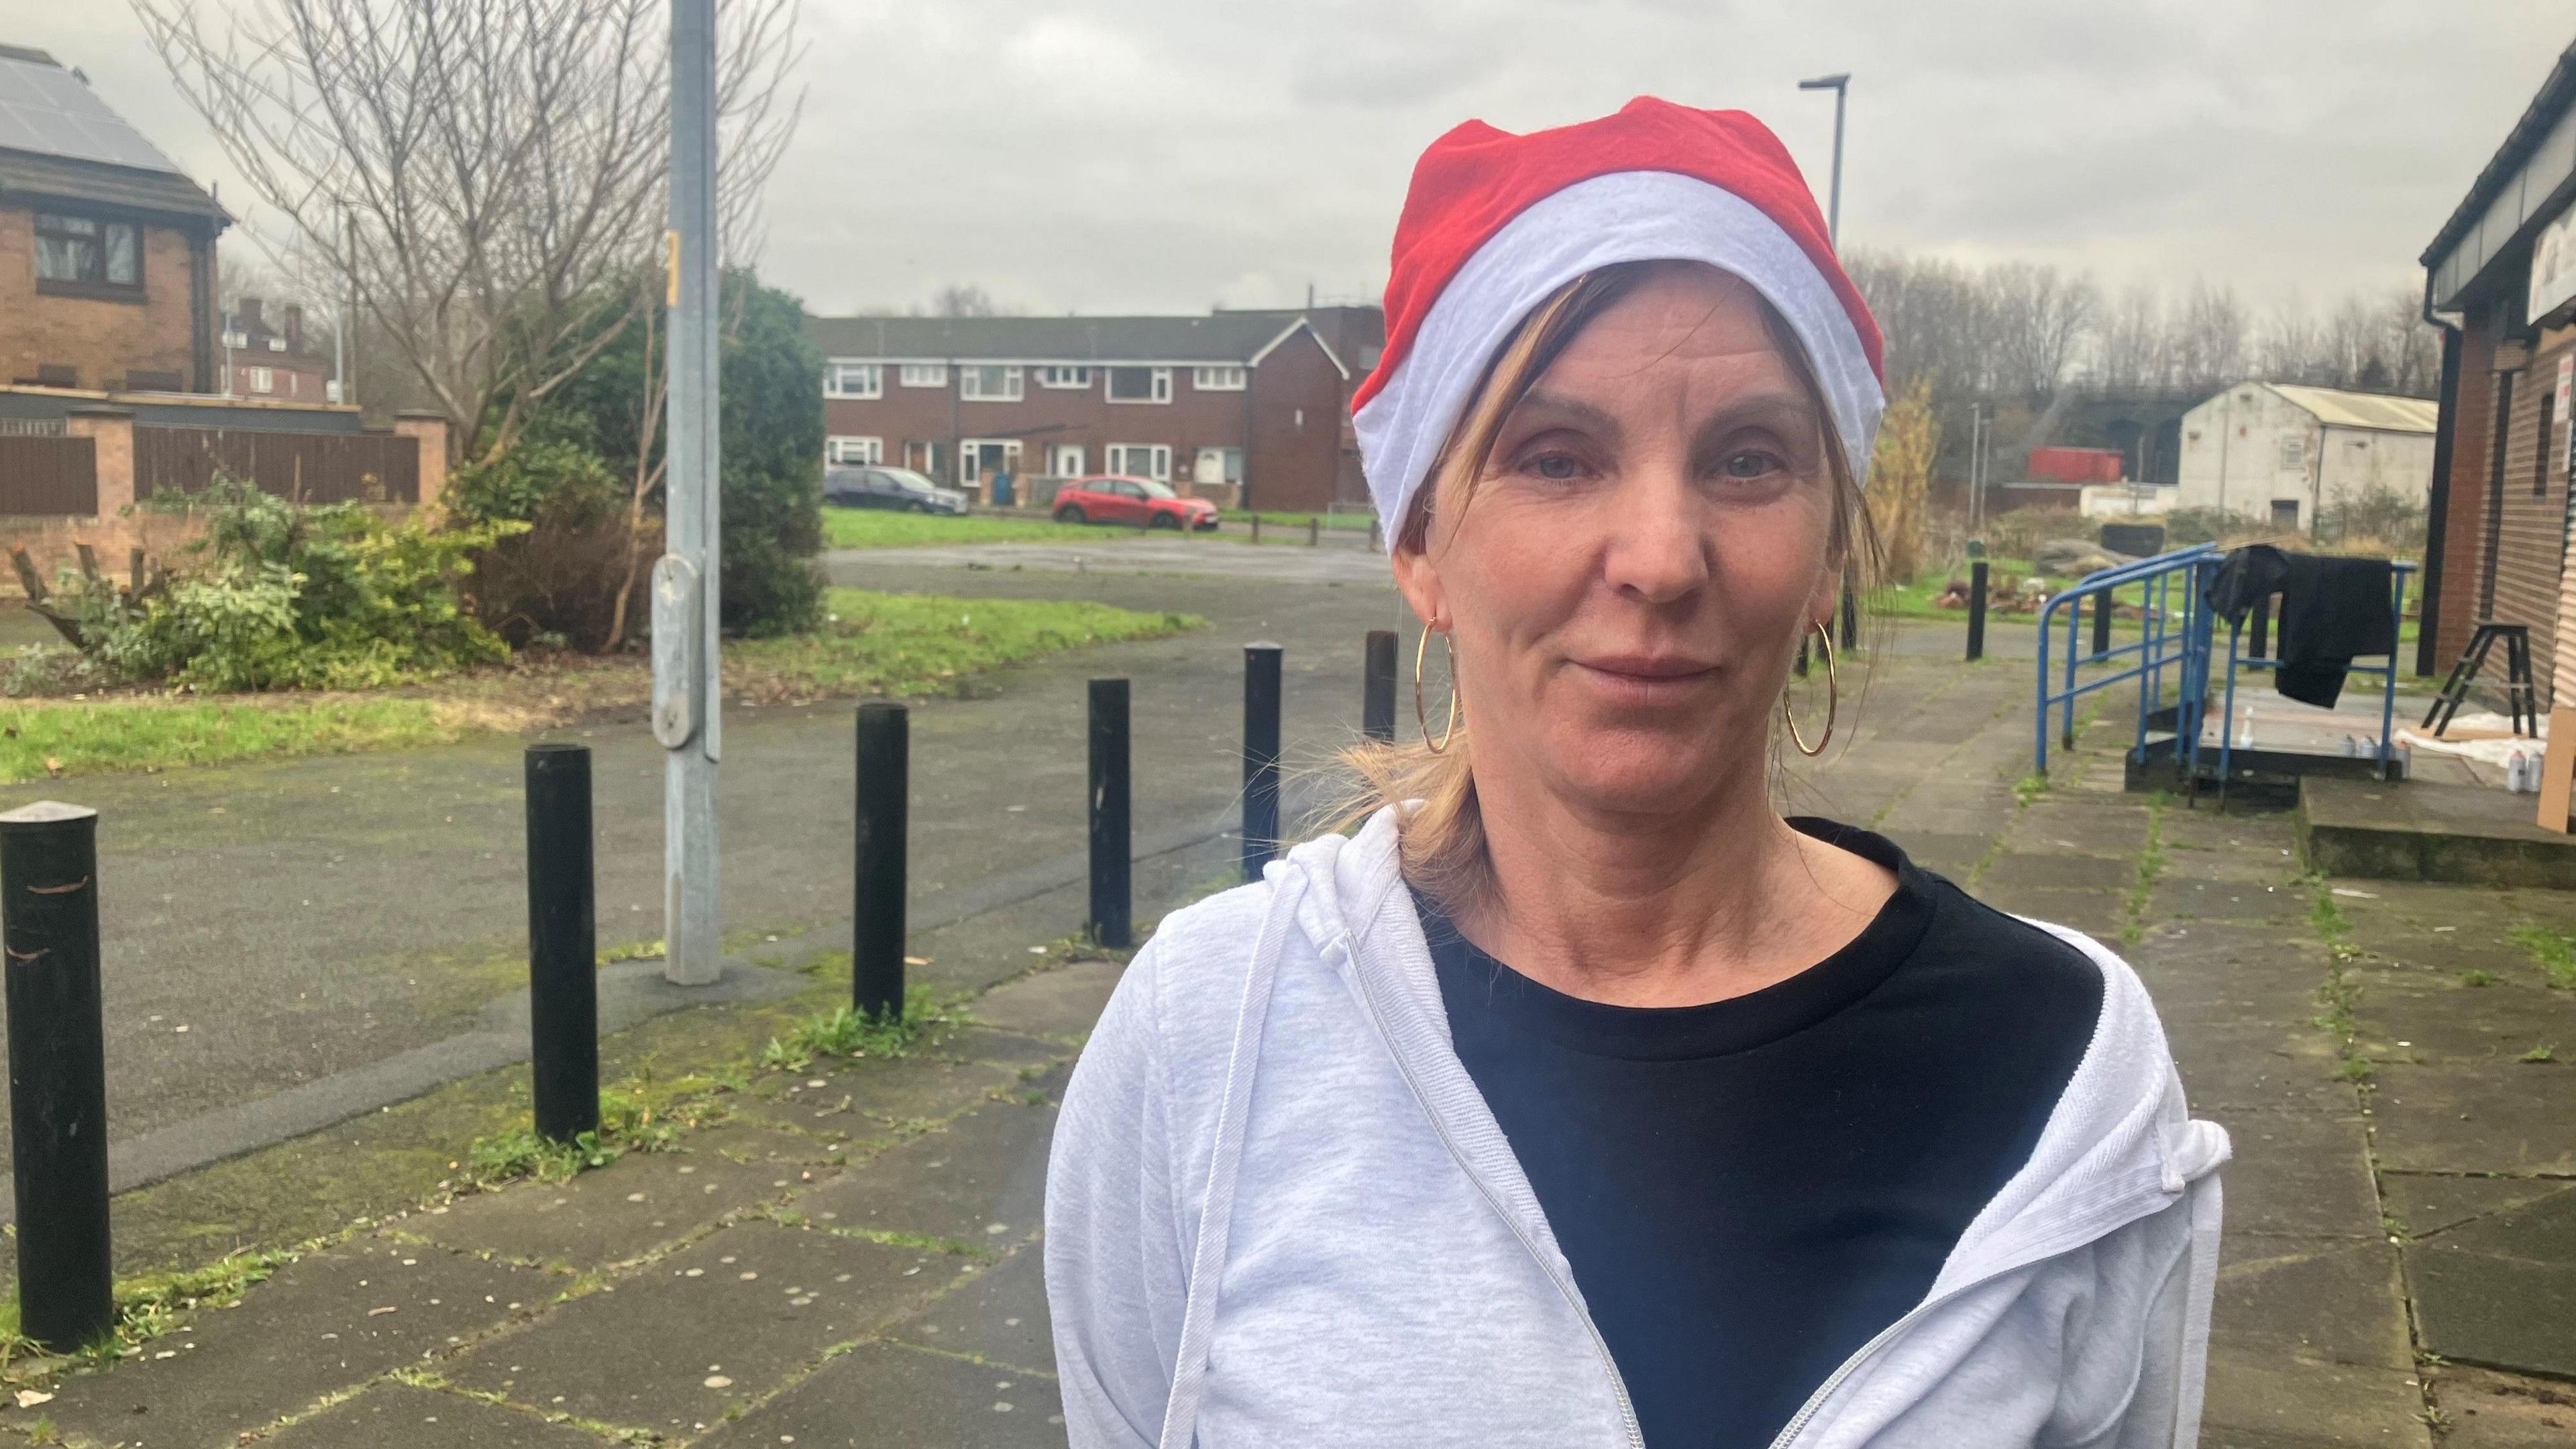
(772, 486)
(281, 595)
(562, 574)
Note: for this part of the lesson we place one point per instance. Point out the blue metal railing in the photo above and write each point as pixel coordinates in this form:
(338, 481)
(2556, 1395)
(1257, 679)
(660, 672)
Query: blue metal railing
(2173, 619)
(2178, 631)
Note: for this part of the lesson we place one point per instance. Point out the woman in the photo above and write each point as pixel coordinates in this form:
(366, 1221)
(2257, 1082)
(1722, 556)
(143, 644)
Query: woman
(1577, 1097)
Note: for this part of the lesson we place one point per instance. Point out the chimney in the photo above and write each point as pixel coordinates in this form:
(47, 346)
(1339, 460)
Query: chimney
(294, 330)
(248, 307)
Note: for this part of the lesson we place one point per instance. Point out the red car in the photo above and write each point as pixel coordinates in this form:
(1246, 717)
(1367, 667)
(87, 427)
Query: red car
(1138, 502)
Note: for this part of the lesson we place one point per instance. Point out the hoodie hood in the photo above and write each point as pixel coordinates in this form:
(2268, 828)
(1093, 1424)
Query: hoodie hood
(2113, 1220)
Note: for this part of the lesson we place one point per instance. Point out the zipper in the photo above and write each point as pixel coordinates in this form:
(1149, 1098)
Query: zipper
(1564, 1288)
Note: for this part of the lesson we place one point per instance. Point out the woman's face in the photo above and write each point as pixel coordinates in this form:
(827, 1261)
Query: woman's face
(1649, 540)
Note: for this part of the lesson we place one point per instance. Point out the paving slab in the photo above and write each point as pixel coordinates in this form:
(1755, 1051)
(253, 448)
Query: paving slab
(2331, 1299)
(2445, 1117)
(2490, 1410)
(1063, 1002)
(2019, 870)
(981, 1179)
(652, 1200)
(674, 1344)
(2429, 1203)
(2416, 1016)
(327, 1323)
(2300, 1174)
(2098, 912)
(862, 1099)
(2184, 898)
(392, 1415)
(888, 1396)
(2501, 1290)
(2262, 1399)
(996, 1314)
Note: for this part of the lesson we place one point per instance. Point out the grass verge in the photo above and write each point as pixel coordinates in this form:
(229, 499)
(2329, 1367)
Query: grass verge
(895, 644)
(89, 737)
(885, 528)
(916, 643)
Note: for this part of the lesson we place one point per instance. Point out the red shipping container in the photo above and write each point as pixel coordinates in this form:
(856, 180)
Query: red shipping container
(2077, 465)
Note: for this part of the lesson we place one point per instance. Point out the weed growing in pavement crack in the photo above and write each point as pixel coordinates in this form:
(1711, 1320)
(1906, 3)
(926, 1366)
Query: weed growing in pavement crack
(627, 1123)
(2548, 1053)
(2551, 950)
(2475, 977)
(2151, 864)
(847, 1032)
(2339, 991)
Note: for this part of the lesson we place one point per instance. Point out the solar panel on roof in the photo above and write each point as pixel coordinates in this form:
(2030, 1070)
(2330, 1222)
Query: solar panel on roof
(51, 112)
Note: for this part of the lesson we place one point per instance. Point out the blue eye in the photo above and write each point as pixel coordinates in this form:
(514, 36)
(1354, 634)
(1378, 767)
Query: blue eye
(1748, 463)
(1555, 467)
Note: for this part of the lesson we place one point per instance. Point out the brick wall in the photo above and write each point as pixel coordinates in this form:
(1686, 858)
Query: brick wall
(104, 340)
(2532, 513)
(2464, 528)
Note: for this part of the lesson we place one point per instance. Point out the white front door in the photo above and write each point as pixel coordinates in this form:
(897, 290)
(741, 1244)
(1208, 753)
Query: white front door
(1068, 460)
(1210, 467)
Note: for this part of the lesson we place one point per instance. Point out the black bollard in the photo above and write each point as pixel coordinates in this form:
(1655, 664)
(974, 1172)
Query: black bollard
(2102, 606)
(1314, 531)
(1260, 757)
(1377, 687)
(1256, 528)
(563, 943)
(1375, 537)
(1851, 620)
(1977, 610)
(877, 900)
(57, 1073)
(1112, 897)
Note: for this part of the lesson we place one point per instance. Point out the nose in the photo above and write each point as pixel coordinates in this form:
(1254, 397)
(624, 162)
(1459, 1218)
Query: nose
(1656, 551)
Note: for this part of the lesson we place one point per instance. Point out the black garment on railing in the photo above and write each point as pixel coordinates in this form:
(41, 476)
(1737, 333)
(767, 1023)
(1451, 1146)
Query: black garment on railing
(2333, 610)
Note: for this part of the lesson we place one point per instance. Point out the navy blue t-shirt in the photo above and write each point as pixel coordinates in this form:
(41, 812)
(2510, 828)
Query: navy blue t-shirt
(1750, 1190)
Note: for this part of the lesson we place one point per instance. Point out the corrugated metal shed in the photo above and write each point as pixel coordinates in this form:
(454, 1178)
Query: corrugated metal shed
(2339, 409)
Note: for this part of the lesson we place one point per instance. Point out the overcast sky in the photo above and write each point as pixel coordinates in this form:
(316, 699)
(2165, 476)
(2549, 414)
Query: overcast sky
(1167, 155)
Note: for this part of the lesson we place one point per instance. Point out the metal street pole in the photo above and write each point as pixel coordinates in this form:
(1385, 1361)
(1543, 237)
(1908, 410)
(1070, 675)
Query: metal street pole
(688, 716)
(1834, 196)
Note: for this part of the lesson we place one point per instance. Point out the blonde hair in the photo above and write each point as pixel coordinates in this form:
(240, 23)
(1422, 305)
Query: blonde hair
(1441, 843)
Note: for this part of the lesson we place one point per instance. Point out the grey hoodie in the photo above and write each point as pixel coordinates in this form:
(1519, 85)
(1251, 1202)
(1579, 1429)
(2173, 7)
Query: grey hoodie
(1279, 1213)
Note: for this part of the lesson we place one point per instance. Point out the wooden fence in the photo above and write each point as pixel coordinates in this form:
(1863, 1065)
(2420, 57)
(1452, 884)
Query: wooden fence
(49, 477)
(310, 467)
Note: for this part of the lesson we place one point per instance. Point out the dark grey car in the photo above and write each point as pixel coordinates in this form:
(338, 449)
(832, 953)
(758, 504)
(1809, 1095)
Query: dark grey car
(880, 487)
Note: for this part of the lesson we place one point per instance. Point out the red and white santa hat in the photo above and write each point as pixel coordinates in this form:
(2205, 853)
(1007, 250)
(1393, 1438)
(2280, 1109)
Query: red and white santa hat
(1494, 223)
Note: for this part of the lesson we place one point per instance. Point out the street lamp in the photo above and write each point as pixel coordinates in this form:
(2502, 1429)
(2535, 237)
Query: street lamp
(1834, 203)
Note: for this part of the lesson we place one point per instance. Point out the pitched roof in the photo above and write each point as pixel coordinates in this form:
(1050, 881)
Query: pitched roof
(58, 139)
(1222, 337)
(2339, 409)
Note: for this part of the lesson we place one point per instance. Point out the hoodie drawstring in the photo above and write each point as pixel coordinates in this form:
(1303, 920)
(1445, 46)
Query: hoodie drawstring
(1216, 1210)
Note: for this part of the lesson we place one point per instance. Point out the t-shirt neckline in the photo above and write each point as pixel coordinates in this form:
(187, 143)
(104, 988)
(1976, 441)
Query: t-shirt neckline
(1707, 1029)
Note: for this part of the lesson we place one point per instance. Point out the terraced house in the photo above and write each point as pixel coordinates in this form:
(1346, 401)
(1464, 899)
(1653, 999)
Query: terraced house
(1251, 408)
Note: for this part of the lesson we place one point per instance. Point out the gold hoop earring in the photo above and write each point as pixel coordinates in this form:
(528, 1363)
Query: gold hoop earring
(1421, 715)
(1833, 698)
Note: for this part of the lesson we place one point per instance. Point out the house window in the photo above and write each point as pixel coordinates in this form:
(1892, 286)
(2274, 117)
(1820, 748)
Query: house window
(1218, 465)
(853, 379)
(991, 382)
(82, 249)
(925, 374)
(2294, 454)
(1141, 460)
(845, 451)
(1064, 377)
(261, 379)
(1140, 384)
(1217, 379)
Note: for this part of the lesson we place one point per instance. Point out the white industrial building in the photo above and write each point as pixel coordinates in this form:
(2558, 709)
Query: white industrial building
(2278, 453)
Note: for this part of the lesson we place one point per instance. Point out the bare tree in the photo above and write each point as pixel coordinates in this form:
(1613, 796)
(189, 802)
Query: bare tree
(2133, 349)
(966, 301)
(2209, 338)
(2041, 317)
(483, 176)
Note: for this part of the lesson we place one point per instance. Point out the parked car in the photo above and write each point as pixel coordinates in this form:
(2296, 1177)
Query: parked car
(1136, 502)
(875, 487)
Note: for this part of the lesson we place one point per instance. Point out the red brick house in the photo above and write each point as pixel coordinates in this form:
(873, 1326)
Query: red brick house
(1252, 408)
(2500, 277)
(107, 251)
(271, 361)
